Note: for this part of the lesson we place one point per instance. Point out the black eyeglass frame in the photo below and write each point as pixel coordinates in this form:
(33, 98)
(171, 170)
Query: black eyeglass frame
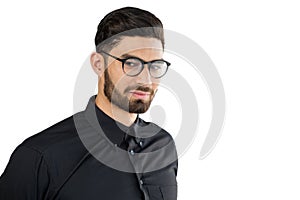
(123, 60)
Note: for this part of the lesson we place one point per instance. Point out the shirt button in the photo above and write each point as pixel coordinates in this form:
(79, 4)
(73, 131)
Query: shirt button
(131, 152)
(141, 182)
(141, 143)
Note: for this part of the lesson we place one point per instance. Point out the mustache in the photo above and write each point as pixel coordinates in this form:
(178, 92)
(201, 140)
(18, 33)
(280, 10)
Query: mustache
(140, 88)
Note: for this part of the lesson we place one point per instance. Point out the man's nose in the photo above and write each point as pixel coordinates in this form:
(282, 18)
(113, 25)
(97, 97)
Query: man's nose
(144, 77)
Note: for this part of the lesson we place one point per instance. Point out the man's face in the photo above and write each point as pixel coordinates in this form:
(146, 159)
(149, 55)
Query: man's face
(132, 94)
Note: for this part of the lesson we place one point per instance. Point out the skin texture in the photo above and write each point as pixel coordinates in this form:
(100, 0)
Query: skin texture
(120, 96)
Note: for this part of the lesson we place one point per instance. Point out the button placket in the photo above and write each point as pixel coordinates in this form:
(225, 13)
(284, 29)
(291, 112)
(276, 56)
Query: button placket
(135, 146)
(141, 143)
(132, 152)
(141, 182)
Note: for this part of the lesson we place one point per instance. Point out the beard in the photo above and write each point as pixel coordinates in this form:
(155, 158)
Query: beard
(122, 101)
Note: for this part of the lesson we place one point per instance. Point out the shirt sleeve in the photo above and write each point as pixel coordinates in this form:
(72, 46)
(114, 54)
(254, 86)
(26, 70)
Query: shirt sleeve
(25, 177)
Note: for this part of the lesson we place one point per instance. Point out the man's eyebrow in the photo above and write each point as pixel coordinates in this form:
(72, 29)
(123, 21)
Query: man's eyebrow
(126, 55)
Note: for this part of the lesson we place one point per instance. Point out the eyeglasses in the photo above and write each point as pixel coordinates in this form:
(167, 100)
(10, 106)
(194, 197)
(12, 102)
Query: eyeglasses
(133, 66)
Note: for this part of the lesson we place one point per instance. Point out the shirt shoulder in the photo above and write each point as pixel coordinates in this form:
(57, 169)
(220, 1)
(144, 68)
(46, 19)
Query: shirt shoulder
(59, 146)
(52, 137)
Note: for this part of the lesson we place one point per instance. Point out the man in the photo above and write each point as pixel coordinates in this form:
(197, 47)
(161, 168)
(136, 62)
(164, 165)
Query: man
(106, 151)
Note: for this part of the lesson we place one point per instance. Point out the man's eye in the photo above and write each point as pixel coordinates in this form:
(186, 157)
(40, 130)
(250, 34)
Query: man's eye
(156, 67)
(132, 63)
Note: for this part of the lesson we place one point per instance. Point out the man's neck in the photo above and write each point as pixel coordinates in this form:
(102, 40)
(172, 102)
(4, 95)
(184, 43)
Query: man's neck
(114, 111)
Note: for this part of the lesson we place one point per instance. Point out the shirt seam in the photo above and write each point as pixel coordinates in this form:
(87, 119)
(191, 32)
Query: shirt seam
(45, 161)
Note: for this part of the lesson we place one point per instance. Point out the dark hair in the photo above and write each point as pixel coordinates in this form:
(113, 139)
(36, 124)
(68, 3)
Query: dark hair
(127, 21)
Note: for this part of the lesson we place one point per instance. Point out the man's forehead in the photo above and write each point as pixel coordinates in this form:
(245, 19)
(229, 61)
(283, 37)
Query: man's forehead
(131, 44)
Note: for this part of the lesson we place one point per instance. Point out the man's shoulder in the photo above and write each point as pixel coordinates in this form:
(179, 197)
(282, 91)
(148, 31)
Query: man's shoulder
(56, 149)
(56, 136)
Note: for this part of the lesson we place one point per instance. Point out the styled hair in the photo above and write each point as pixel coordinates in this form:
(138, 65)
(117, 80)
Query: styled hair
(127, 21)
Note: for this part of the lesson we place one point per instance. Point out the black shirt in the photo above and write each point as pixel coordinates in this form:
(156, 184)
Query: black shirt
(71, 160)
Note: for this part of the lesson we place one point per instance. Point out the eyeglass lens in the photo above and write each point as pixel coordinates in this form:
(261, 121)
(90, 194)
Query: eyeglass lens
(134, 66)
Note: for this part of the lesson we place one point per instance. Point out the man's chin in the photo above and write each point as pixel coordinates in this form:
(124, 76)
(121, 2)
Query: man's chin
(139, 106)
(138, 111)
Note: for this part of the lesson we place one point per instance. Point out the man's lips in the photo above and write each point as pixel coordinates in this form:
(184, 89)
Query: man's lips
(140, 94)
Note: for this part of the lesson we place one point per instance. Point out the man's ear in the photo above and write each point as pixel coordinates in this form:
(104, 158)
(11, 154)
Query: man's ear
(97, 63)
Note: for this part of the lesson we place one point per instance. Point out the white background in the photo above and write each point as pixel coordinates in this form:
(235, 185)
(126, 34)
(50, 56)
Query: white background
(255, 46)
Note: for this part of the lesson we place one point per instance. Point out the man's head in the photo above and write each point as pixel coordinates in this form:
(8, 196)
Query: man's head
(127, 21)
(128, 38)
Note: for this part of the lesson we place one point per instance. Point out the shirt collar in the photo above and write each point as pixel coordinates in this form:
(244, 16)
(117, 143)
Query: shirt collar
(114, 130)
